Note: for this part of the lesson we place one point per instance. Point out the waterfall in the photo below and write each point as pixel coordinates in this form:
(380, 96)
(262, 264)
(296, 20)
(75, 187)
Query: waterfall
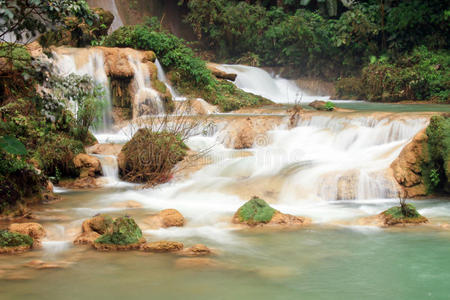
(325, 158)
(110, 167)
(66, 64)
(260, 82)
(109, 5)
(146, 99)
(163, 79)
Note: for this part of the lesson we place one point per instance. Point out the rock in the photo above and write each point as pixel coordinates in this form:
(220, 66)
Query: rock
(165, 218)
(244, 133)
(81, 183)
(320, 105)
(406, 168)
(393, 217)
(196, 250)
(197, 263)
(105, 149)
(257, 212)
(14, 250)
(114, 247)
(92, 229)
(86, 238)
(42, 265)
(14, 242)
(34, 230)
(117, 60)
(219, 73)
(89, 166)
(162, 246)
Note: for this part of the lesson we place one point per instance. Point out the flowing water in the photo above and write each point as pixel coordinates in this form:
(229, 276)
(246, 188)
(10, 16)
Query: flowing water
(298, 171)
(260, 82)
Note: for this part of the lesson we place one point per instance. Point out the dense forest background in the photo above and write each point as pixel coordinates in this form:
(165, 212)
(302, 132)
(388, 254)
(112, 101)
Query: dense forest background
(396, 50)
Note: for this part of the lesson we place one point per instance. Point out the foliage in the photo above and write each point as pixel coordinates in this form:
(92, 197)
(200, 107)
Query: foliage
(256, 211)
(436, 167)
(81, 95)
(11, 239)
(25, 19)
(171, 51)
(422, 74)
(124, 231)
(12, 145)
(329, 106)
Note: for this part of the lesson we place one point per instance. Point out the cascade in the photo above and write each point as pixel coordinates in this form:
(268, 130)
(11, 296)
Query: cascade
(162, 77)
(109, 5)
(71, 60)
(146, 99)
(260, 82)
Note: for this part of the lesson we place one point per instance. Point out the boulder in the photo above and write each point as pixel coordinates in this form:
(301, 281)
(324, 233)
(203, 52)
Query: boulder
(162, 246)
(394, 217)
(406, 168)
(219, 73)
(13, 242)
(88, 165)
(165, 218)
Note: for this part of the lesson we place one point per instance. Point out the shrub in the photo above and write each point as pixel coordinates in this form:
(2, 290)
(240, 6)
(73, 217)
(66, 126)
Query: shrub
(256, 211)
(396, 212)
(150, 156)
(10, 239)
(436, 167)
(124, 231)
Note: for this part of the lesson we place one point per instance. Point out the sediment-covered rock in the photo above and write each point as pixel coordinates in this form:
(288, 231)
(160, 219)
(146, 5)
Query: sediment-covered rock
(88, 165)
(196, 250)
(34, 230)
(162, 246)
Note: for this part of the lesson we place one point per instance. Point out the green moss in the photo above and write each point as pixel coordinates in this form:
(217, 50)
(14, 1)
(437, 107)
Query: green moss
(396, 212)
(256, 211)
(11, 239)
(436, 167)
(124, 231)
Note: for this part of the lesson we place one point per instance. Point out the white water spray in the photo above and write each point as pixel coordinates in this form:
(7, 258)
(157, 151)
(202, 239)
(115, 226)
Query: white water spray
(260, 82)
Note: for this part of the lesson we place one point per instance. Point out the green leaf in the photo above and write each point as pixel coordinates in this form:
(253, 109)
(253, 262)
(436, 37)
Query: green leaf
(12, 145)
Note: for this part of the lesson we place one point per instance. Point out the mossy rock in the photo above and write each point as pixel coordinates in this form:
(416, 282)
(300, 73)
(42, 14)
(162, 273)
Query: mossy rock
(254, 212)
(10, 239)
(394, 215)
(124, 231)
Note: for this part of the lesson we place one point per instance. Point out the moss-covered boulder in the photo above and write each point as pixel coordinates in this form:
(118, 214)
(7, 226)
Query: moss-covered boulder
(11, 242)
(149, 156)
(398, 216)
(124, 234)
(256, 212)
(93, 228)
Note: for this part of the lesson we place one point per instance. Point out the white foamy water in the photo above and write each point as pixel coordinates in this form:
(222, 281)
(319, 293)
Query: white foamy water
(260, 82)
(145, 94)
(300, 171)
(162, 77)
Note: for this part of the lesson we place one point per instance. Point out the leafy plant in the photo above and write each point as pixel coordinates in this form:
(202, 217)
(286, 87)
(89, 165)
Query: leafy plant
(329, 106)
(12, 145)
(11, 239)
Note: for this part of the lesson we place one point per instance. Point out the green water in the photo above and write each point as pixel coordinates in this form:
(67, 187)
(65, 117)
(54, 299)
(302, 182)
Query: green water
(392, 107)
(315, 263)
